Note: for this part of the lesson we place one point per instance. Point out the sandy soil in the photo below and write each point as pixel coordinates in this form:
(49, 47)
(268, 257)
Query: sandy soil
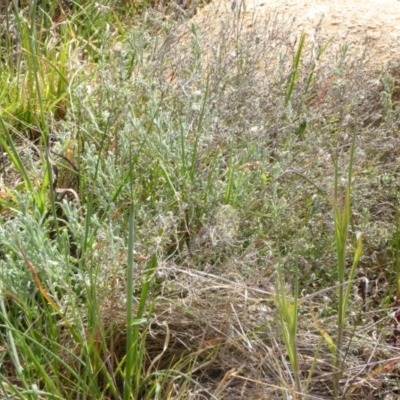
(372, 22)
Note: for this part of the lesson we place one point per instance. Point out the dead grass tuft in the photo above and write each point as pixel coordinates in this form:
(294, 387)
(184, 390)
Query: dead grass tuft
(214, 337)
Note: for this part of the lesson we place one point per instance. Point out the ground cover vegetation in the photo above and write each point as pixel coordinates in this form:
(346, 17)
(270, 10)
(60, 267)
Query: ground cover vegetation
(182, 220)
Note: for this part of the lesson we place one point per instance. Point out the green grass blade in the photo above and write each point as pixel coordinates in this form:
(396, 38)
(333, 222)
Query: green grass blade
(295, 69)
(7, 143)
(130, 339)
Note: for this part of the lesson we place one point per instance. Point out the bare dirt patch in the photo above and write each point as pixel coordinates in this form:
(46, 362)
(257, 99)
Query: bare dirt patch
(372, 24)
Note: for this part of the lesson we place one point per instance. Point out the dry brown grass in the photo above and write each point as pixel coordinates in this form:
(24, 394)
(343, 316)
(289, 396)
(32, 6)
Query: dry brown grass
(224, 334)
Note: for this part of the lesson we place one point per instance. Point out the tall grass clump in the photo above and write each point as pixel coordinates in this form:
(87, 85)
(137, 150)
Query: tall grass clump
(288, 304)
(36, 68)
(40, 69)
(49, 272)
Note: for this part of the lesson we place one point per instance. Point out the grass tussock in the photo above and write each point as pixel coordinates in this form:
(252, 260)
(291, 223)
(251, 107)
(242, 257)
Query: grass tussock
(191, 217)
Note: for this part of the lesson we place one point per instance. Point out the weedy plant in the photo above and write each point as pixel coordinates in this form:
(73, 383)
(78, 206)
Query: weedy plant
(153, 181)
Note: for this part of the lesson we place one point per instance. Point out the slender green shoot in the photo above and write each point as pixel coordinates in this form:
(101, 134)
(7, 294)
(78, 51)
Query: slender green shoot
(342, 214)
(130, 339)
(295, 70)
(230, 180)
(288, 315)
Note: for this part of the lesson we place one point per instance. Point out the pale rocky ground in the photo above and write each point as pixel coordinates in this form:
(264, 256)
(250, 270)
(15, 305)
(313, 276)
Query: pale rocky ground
(375, 23)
